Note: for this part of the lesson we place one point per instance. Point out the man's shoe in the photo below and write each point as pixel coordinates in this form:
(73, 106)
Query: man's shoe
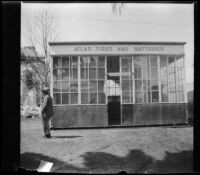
(48, 136)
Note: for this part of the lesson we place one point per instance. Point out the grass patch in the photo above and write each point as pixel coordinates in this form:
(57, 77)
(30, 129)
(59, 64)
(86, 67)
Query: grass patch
(134, 150)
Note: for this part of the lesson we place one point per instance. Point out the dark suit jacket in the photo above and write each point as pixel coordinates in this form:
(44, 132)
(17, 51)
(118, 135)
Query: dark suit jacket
(47, 107)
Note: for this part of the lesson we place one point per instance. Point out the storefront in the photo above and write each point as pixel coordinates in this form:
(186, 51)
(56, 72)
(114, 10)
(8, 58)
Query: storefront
(98, 84)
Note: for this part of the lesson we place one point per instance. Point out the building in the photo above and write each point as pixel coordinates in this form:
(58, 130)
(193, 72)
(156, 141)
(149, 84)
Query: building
(103, 84)
(29, 57)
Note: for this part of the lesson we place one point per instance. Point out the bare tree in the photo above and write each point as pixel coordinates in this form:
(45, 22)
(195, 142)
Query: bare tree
(41, 30)
(117, 8)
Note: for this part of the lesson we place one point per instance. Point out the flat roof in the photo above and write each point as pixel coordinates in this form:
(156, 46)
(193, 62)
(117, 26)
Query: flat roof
(115, 43)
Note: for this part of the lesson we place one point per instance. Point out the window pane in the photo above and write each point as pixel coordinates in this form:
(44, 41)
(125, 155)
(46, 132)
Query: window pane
(155, 96)
(154, 85)
(125, 77)
(170, 59)
(101, 98)
(65, 62)
(154, 73)
(74, 86)
(182, 97)
(153, 60)
(172, 96)
(84, 98)
(57, 86)
(100, 86)
(145, 96)
(65, 74)
(149, 97)
(124, 62)
(65, 98)
(84, 73)
(101, 61)
(57, 74)
(145, 85)
(126, 97)
(182, 62)
(125, 85)
(180, 85)
(65, 86)
(101, 73)
(84, 86)
(92, 73)
(74, 74)
(138, 73)
(163, 62)
(182, 74)
(164, 86)
(138, 85)
(57, 98)
(93, 98)
(125, 69)
(137, 62)
(74, 62)
(164, 96)
(84, 62)
(56, 62)
(93, 86)
(93, 61)
(74, 98)
(138, 97)
(144, 68)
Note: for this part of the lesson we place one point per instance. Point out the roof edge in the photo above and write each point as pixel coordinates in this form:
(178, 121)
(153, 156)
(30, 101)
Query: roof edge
(116, 42)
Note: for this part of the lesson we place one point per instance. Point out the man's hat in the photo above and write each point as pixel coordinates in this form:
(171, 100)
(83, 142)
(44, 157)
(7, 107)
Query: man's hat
(46, 89)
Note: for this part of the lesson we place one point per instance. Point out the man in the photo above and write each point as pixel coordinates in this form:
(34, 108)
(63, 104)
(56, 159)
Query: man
(47, 111)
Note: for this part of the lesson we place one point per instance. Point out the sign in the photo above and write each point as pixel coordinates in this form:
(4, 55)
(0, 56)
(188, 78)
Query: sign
(116, 49)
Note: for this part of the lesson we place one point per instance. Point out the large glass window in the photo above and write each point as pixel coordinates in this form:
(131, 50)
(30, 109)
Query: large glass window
(172, 78)
(152, 79)
(79, 80)
(143, 79)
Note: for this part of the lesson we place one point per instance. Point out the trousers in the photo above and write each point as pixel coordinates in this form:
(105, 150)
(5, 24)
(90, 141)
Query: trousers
(46, 125)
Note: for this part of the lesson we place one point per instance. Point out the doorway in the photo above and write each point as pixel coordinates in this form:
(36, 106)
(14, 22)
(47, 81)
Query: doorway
(114, 91)
(114, 110)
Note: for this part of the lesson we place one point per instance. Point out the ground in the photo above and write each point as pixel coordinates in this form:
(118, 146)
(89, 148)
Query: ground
(134, 150)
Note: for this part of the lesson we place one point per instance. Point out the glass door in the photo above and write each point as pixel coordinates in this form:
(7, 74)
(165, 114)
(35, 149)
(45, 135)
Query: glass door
(127, 84)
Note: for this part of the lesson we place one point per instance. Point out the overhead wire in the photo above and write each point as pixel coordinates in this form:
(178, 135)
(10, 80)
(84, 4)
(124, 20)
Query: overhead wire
(120, 21)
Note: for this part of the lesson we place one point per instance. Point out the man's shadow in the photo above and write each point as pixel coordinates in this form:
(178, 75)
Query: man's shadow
(65, 137)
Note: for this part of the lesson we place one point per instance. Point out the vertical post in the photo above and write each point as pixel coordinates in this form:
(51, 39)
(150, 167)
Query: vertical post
(159, 79)
(61, 79)
(88, 68)
(120, 83)
(149, 60)
(79, 82)
(51, 83)
(175, 81)
(133, 80)
(106, 80)
(142, 81)
(185, 90)
(51, 76)
(97, 82)
(133, 86)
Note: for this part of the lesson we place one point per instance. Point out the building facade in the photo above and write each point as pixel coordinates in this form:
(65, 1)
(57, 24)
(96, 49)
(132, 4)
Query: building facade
(99, 84)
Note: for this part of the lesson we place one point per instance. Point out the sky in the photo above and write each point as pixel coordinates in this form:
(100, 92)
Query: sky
(137, 22)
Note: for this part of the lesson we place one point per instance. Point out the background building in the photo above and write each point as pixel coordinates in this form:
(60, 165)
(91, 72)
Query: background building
(30, 83)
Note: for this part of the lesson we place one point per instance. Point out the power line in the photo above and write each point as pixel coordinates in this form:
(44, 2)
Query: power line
(119, 21)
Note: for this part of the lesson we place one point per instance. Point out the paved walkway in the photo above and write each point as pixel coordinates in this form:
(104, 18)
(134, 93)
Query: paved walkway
(134, 150)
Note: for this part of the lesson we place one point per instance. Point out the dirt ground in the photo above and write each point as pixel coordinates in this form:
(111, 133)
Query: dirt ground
(134, 150)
